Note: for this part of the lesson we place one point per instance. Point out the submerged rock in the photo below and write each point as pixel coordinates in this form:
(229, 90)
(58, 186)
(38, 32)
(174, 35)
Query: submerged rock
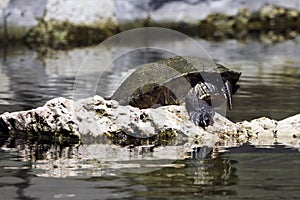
(96, 118)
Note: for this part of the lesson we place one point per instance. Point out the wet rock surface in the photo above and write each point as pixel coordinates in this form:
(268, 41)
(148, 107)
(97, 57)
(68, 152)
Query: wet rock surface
(52, 122)
(95, 118)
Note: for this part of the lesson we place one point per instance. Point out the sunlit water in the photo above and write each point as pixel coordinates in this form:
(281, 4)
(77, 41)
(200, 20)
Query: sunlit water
(270, 86)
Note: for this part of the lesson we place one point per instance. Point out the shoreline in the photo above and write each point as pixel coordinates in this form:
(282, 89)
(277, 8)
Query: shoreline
(50, 27)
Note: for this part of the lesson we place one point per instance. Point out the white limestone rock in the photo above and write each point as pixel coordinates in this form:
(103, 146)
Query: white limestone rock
(95, 116)
(90, 12)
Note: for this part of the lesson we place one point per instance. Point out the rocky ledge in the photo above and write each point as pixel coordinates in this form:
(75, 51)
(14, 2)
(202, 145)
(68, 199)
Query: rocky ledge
(65, 24)
(93, 119)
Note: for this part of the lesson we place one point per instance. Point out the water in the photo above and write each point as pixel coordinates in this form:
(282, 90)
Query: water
(242, 173)
(30, 170)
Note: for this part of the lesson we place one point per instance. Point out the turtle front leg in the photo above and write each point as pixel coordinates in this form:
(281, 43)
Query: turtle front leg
(200, 112)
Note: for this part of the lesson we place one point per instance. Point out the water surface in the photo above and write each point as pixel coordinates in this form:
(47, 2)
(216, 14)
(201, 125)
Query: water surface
(269, 87)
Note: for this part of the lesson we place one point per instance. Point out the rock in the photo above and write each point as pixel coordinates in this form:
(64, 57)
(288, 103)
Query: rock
(290, 127)
(18, 17)
(65, 24)
(68, 24)
(107, 117)
(95, 117)
(91, 12)
(261, 131)
(190, 12)
(265, 131)
(54, 119)
(131, 13)
(57, 23)
(3, 4)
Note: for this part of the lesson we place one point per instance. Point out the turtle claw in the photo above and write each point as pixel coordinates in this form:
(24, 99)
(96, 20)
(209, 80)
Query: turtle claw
(202, 117)
(200, 112)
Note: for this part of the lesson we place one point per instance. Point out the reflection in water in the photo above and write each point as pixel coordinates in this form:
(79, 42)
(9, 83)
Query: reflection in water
(29, 85)
(197, 175)
(244, 172)
(211, 177)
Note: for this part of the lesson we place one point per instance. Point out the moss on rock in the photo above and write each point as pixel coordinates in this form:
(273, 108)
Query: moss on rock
(162, 138)
(65, 35)
(268, 24)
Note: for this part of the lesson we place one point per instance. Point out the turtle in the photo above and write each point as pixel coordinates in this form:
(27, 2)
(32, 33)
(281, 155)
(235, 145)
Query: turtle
(200, 83)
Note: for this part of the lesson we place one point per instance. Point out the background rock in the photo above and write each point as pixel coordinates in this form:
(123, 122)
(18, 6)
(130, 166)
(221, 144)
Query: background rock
(18, 17)
(91, 12)
(62, 24)
(188, 11)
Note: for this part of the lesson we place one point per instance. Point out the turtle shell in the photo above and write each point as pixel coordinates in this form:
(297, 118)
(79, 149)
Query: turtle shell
(168, 81)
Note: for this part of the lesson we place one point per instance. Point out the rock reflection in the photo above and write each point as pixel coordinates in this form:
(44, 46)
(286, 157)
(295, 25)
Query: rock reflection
(111, 169)
(173, 165)
(206, 176)
(212, 169)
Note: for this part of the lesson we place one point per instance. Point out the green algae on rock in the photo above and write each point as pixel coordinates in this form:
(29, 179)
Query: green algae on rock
(66, 35)
(65, 24)
(282, 22)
